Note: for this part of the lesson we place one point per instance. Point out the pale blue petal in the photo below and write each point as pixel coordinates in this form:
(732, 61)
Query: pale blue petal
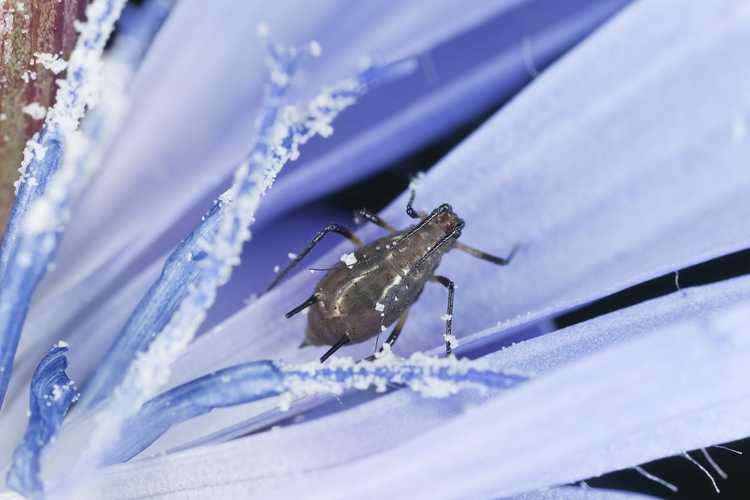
(645, 382)
(606, 174)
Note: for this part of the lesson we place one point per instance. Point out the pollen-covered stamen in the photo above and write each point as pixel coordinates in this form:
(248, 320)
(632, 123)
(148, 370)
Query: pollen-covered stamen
(428, 376)
(52, 394)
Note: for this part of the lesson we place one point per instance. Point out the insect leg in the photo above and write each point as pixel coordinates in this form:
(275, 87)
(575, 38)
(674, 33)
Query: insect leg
(410, 209)
(393, 337)
(485, 256)
(448, 336)
(330, 228)
(375, 219)
(338, 345)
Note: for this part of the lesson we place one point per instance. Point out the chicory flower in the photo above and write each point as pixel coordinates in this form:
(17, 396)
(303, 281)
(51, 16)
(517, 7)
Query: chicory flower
(608, 169)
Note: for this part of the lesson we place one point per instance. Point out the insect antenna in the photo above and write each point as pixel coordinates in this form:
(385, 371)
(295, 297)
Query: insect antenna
(330, 228)
(312, 300)
(338, 345)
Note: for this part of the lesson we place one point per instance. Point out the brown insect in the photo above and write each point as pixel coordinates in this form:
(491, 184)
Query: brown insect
(376, 285)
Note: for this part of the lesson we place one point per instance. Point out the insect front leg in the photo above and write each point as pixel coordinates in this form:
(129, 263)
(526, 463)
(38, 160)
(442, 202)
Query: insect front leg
(448, 336)
(330, 228)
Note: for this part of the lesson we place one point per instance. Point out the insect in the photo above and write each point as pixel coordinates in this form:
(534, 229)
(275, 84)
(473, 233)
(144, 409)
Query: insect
(375, 286)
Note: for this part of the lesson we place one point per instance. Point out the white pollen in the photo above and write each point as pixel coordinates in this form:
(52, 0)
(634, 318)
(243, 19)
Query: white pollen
(379, 307)
(451, 340)
(276, 269)
(57, 392)
(51, 61)
(349, 259)
(446, 317)
(315, 49)
(292, 255)
(35, 110)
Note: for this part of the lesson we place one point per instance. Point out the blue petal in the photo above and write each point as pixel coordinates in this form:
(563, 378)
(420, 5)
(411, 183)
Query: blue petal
(52, 393)
(155, 309)
(227, 387)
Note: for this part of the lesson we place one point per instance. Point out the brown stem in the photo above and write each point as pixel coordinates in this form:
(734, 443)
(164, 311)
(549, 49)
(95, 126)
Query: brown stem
(28, 27)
